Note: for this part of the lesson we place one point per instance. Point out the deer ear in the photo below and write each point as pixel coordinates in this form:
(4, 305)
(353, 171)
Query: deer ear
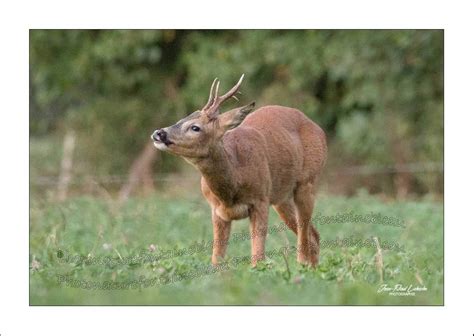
(234, 118)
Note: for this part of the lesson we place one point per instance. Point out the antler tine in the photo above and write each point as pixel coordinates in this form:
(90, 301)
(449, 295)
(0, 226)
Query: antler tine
(219, 100)
(216, 96)
(232, 91)
(212, 109)
(212, 96)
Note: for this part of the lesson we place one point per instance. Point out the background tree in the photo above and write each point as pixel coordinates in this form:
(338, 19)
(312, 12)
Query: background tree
(378, 94)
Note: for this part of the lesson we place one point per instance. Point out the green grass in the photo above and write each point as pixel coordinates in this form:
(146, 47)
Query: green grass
(91, 227)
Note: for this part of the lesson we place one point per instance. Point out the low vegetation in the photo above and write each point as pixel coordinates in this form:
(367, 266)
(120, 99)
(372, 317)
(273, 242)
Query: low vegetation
(157, 249)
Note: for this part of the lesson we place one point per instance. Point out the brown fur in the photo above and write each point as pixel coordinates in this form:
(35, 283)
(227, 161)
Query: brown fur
(274, 157)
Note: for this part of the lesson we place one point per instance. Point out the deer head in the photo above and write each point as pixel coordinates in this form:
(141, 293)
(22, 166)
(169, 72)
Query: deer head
(194, 136)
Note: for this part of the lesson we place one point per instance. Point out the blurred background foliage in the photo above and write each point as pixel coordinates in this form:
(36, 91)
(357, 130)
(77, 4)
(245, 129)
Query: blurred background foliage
(378, 94)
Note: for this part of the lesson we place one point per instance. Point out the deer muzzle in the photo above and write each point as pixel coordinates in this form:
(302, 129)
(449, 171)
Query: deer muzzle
(160, 136)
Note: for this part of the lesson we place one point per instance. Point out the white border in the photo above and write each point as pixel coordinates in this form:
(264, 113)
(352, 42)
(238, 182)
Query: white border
(17, 318)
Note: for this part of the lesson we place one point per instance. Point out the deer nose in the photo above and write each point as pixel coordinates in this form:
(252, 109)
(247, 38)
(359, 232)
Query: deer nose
(159, 135)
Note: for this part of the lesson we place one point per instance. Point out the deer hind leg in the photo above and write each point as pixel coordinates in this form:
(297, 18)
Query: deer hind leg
(308, 236)
(258, 231)
(287, 212)
(221, 230)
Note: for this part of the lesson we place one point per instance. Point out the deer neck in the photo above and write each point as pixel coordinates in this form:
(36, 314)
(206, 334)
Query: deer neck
(218, 171)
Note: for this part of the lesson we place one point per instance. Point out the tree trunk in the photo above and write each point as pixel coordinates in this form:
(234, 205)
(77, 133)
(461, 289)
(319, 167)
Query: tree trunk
(141, 173)
(402, 180)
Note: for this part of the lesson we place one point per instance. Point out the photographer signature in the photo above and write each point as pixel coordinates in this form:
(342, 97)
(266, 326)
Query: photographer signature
(401, 290)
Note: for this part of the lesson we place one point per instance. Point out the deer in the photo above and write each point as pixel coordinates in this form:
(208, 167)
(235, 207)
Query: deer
(249, 161)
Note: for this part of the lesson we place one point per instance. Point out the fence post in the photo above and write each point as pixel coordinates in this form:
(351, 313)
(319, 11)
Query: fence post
(66, 165)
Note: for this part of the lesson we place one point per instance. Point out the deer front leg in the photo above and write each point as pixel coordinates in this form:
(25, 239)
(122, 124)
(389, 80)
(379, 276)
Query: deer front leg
(221, 230)
(258, 231)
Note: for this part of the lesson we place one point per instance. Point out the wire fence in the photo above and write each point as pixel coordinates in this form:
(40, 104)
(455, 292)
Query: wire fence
(418, 167)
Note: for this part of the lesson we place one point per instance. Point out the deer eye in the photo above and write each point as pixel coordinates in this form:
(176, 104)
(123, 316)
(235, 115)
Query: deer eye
(195, 128)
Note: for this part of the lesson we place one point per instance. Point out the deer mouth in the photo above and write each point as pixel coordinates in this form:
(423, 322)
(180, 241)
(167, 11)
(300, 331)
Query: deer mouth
(167, 142)
(161, 143)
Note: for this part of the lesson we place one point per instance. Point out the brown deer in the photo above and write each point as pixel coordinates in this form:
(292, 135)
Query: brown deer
(249, 161)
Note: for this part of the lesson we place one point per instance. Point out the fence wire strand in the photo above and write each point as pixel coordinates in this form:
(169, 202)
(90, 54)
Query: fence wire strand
(418, 167)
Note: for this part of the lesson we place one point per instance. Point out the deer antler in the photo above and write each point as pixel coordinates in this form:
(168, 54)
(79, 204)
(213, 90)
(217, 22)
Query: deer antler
(212, 94)
(212, 106)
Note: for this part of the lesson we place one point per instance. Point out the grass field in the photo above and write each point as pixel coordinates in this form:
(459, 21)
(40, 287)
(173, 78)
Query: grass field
(85, 241)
